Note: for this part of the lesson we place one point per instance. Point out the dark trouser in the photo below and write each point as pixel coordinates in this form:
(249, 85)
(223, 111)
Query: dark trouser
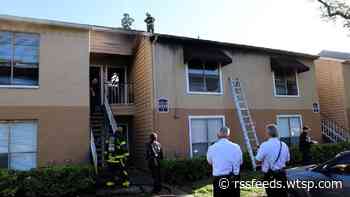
(276, 178)
(93, 103)
(219, 186)
(157, 184)
(306, 156)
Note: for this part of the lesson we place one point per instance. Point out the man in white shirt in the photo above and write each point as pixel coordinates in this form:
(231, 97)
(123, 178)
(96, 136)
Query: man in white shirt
(226, 160)
(273, 154)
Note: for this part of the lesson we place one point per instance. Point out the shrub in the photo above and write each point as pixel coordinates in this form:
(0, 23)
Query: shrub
(183, 171)
(8, 183)
(323, 152)
(49, 181)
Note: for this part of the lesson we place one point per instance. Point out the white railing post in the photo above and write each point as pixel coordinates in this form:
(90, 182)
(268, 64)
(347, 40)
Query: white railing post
(93, 151)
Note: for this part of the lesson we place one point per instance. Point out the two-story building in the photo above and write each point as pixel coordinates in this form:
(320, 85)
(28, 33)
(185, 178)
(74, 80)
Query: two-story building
(142, 83)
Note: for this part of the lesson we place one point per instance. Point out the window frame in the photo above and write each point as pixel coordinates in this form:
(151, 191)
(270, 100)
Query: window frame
(189, 92)
(13, 122)
(191, 117)
(274, 86)
(14, 86)
(290, 116)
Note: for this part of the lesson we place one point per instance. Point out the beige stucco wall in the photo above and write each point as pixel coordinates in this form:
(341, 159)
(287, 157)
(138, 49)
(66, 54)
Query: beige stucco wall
(253, 69)
(255, 72)
(63, 68)
(61, 103)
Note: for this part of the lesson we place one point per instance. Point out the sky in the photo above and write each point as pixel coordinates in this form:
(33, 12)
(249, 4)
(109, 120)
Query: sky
(293, 25)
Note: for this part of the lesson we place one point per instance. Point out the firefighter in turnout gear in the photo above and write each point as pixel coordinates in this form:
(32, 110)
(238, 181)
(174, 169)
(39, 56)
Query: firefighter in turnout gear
(117, 154)
(154, 155)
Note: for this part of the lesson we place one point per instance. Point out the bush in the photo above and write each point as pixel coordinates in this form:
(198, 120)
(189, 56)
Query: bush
(49, 181)
(8, 183)
(323, 152)
(185, 170)
(188, 170)
(182, 171)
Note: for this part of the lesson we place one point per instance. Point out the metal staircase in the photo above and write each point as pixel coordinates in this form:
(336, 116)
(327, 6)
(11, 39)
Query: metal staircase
(249, 133)
(332, 131)
(97, 124)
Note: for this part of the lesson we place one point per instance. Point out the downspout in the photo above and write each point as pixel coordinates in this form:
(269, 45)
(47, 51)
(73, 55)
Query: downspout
(155, 83)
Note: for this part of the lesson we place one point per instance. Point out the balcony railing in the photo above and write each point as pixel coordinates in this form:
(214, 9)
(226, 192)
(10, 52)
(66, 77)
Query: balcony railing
(119, 93)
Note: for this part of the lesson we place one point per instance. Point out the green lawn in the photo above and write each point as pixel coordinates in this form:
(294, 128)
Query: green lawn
(204, 188)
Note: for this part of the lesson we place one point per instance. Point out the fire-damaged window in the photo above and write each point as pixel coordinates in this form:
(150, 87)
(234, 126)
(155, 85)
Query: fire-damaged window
(204, 77)
(286, 83)
(203, 130)
(19, 59)
(18, 145)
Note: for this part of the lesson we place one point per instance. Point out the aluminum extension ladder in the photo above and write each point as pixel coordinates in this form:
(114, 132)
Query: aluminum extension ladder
(249, 133)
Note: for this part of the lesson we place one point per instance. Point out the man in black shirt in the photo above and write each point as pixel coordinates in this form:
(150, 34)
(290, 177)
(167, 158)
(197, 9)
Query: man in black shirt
(154, 155)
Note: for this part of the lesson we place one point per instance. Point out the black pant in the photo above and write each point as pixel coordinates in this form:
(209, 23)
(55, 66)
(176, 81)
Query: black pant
(276, 178)
(306, 156)
(223, 189)
(157, 184)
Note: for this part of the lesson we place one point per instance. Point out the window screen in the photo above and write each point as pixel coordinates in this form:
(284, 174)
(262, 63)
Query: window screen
(19, 58)
(289, 128)
(18, 145)
(203, 134)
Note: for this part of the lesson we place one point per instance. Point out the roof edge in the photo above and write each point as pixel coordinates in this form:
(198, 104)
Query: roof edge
(166, 37)
(44, 22)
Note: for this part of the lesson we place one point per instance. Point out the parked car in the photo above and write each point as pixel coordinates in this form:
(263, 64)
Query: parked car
(336, 170)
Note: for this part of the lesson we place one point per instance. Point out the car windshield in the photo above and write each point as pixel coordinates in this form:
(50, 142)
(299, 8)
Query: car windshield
(341, 157)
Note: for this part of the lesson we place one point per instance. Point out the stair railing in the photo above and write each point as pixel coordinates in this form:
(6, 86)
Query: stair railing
(93, 151)
(109, 112)
(333, 131)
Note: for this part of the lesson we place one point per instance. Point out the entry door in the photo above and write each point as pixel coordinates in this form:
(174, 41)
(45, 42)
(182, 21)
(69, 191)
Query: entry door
(95, 73)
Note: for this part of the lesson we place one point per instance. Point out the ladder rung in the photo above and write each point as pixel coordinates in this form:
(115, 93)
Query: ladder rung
(245, 118)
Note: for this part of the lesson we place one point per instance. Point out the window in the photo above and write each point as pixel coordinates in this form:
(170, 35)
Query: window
(203, 130)
(203, 78)
(286, 83)
(19, 59)
(289, 127)
(18, 145)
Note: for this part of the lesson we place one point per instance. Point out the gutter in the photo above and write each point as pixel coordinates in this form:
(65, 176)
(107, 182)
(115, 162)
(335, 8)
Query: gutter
(44, 22)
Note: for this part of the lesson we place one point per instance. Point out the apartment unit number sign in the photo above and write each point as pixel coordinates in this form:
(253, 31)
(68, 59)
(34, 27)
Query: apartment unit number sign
(163, 105)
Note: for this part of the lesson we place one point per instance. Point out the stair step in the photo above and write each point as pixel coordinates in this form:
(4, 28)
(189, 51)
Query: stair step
(96, 125)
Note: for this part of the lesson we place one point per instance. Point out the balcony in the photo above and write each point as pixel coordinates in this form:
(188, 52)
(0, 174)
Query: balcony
(120, 96)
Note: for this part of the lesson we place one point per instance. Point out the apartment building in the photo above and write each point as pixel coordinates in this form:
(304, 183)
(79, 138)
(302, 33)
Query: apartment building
(143, 82)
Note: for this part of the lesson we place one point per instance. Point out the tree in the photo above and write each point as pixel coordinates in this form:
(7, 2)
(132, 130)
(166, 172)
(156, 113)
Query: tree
(336, 10)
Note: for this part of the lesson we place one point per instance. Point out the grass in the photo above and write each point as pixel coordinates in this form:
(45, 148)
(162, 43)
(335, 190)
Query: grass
(204, 188)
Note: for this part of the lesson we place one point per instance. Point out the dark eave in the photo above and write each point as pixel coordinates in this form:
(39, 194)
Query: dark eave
(198, 42)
